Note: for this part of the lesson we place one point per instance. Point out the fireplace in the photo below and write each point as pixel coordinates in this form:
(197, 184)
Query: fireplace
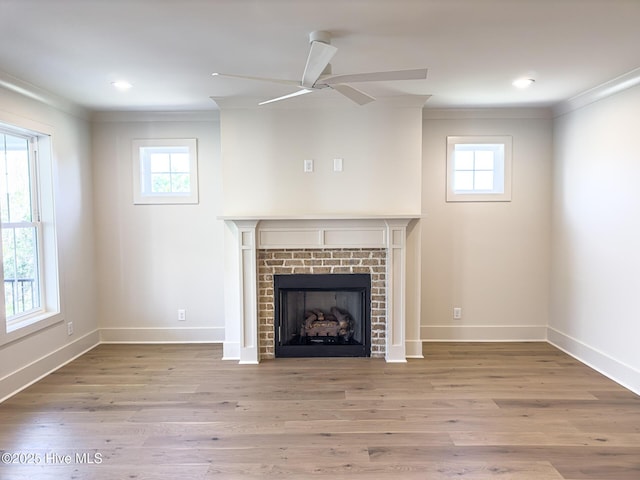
(264, 247)
(322, 315)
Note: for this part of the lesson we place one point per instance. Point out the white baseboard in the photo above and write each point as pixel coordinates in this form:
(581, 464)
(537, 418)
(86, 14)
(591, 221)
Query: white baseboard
(483, 333)
(43, 366)
(162, 335)
(231, 351)
(608, 366)
(413, 348)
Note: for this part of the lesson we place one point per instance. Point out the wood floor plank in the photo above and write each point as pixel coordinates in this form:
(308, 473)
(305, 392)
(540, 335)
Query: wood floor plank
(471, 411)
(349, 471)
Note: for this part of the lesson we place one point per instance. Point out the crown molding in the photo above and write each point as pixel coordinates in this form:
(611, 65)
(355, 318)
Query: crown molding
(155, 116)
(478, 113)
(604, 90)
(38, 94)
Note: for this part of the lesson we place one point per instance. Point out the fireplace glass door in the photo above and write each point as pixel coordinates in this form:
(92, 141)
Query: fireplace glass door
(322, 315)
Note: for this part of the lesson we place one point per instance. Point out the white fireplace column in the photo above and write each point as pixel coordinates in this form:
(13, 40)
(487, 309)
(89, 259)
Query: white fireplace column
(395, 350)
(251, 234)
(248, 289)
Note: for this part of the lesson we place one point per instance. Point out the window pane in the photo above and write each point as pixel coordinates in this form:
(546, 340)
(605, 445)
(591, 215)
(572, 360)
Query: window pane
(464, 160)
(21, 276)
(161, 183)
(181, 183)
(484, 160)
(180, 162)
(160, 162)
(484, 180)
(463, 181)
(15, 184)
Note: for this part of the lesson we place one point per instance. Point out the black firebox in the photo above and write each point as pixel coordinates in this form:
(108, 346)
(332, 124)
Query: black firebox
(322, 315)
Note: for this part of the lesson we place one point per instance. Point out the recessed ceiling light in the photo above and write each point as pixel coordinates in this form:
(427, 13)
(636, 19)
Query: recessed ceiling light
(523, 82)
(122, 85)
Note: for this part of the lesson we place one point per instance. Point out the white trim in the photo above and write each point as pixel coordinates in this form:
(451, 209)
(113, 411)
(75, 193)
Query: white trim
(396, 278)
(136, 116)
(248, 288)
(501, 170)
(619, 372)
(333, 219)
(45, 170)
(142, 194)
(483, 333)
(599, 92)
(162, 335)
(484, 113)
(414, 348)
(31, 373)
(322, 237)
(38, 94)
(231, 351)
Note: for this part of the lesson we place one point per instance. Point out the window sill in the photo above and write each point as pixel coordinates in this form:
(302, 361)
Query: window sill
(478, 197)
(29, 326)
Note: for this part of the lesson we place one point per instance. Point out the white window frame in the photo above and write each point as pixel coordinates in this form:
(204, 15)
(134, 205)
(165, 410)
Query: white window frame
(141, 174)
(49, 312)
(501, 191)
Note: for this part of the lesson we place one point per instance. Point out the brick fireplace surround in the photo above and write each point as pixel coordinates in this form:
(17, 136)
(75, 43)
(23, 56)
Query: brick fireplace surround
(317, 261)
(262, 247)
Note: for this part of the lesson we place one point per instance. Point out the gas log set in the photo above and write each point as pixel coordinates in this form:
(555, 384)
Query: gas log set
(336, 326)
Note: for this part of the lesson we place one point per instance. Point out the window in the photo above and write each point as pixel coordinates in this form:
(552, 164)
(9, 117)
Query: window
(479, 169)
(29, 254)
(165, 171)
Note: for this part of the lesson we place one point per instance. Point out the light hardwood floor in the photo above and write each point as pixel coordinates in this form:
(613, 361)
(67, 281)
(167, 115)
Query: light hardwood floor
(467, 411)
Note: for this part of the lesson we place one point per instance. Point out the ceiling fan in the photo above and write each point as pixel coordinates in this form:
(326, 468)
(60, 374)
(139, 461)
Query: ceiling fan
(317, 74)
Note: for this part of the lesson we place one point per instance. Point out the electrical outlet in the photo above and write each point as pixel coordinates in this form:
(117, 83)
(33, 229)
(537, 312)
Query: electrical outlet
(69, 328)
(457, 313)
(182, 315)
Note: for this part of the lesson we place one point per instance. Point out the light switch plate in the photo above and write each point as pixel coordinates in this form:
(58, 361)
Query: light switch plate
(308, 166)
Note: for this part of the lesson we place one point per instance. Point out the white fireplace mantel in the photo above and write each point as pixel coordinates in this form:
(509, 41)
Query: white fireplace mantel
(248, 234)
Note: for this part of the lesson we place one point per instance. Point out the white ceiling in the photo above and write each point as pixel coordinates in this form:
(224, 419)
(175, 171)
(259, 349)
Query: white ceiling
(168, 49)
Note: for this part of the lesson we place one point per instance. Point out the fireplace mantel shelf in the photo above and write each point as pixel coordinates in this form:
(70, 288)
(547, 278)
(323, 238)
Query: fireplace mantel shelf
(356, 216)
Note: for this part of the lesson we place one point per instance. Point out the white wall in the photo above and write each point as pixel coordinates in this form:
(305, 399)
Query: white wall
(263, 151)
(596, 234)
(491, 258)
(155, 259)
(127, 269)
(26, 359)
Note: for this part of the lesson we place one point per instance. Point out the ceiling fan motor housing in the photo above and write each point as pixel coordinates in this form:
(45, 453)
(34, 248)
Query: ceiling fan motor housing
(320, 36)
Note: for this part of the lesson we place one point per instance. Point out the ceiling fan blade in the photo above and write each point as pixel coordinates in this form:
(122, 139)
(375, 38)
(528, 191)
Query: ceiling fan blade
(260, 79)
(284, 97)
(353, 94)
(417, 74)
(320, 54)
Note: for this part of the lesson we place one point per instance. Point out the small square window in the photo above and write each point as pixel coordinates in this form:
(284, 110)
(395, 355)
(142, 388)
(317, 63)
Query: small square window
(165, 171)
(479, 169)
